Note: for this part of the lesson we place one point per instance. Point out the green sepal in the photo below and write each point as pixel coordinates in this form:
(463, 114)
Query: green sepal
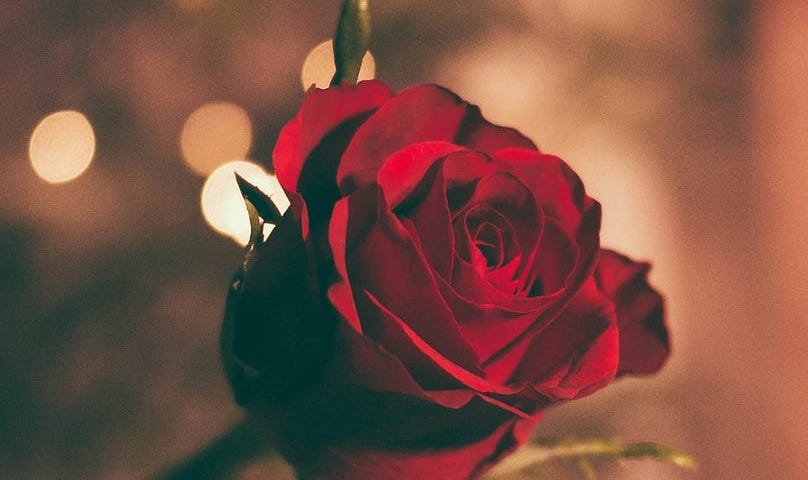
(351, 40)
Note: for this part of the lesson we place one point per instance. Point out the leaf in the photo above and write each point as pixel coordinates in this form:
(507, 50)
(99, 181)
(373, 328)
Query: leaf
(551, 449)
(351, 40)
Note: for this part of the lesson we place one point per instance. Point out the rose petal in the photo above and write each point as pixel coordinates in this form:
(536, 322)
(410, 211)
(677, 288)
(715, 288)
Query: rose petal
(644, 342)
(503, 277)
(492, 326)
(322, 111)
(405, 284)
(418, 114)
(415, 185)
(556, 188)
(501, 363)
(415, 351)
(405, 170)
(464, 462)
(494, 246)
(555, 266)
(432, 226)
(513, 200)
(361, 363)
(361, 208)
(466, 227)
(462, 172)
(477, 133)
(578, 352)
(555, 261)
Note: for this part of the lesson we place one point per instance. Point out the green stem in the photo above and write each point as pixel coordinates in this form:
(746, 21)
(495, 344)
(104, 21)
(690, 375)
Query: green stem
(547, 450)
(587, 469)
(224, 457)
(351, 40)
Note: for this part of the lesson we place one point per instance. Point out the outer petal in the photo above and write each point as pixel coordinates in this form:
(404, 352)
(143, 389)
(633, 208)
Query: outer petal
(359, 363)
(421, 357)
(644, 342)
(405, 170)
(418, 114)
(576, 354)
(309, 148)
(369, 401)
(466, 462)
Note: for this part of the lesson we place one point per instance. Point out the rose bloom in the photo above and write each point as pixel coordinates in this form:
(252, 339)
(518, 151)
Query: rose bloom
(436, 283)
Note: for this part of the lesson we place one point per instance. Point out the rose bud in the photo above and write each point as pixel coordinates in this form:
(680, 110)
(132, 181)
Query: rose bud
(461, 287)
(274, 332)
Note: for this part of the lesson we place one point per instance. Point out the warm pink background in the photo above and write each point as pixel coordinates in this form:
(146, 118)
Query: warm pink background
(687, 119)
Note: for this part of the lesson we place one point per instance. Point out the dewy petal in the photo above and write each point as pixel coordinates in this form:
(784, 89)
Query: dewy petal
(322, 112)
(418, 114)
(644, 342)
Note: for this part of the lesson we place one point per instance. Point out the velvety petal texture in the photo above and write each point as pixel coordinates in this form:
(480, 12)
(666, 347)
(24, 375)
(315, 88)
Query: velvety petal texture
(644, 342)
(418, 114)
(470, 460)
(439, 282)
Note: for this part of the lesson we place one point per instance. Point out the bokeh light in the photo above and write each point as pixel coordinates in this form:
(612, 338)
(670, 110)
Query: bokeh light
(222, 203)
(318, 68)
(213, 134)
(62, 146)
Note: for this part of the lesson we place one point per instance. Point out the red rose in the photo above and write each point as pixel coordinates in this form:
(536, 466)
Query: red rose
(437, 282)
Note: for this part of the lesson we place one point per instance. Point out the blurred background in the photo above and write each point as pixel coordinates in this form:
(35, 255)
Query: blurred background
(687, 119)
